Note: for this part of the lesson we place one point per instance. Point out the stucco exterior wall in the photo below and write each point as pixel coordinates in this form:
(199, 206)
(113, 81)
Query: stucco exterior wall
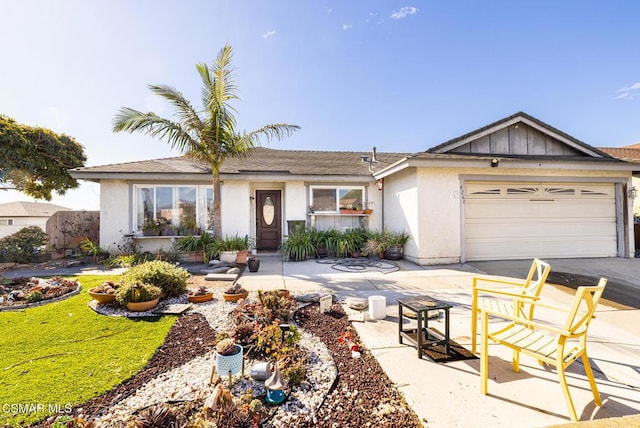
(236, 208)
(426, 202)
(401, 212)
(295, 202)
(115, 212)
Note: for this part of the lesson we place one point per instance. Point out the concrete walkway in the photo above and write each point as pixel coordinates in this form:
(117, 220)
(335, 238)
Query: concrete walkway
(446, 395)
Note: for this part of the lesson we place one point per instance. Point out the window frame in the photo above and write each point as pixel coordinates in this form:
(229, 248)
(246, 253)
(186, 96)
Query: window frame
(6, 222)
(337, 189)
(201, 197)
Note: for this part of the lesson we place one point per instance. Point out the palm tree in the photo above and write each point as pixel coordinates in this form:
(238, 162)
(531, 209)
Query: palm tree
(207, 135)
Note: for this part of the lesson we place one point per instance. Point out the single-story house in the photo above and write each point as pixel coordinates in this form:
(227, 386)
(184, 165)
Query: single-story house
(16, 215)
(517, 188)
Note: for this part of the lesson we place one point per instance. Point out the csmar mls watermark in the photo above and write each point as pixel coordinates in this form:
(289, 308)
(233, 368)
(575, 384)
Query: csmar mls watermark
(19, 408)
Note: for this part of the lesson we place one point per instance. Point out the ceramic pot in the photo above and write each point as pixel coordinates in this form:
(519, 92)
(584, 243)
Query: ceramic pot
(229, 363)
(242, 256)
(201, 298)
(235, 297)
(142, 306)
(253, 265)
(394, 253)
(102, 297)
(228, 256)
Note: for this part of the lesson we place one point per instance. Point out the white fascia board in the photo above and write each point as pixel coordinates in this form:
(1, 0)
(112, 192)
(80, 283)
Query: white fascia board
(177, 178)
(392, 169)
(522, 163)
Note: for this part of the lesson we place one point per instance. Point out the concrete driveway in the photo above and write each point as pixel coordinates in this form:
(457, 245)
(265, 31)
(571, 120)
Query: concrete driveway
(445, 395)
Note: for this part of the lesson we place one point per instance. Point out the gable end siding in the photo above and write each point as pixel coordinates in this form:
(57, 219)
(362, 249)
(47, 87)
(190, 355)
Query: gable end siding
(520, 139)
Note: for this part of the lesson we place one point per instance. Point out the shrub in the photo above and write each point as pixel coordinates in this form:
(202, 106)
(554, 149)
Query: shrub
(170, 278)
(22, 246)
(135, 291)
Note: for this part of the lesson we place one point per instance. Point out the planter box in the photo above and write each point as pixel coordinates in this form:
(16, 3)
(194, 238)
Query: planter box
(192, 257)
(201, 298)
(235, 297)
(103, 298)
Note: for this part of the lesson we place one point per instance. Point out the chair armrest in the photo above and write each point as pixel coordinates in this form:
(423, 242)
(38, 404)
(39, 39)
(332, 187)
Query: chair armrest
(518, 295)
(513, 283)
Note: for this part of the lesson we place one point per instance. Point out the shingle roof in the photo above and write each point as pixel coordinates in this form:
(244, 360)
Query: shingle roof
(29, 209)
(261, 161)
(628, 153)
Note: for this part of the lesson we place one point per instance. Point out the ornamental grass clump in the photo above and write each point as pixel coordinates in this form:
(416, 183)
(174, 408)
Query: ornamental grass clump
(170, 278)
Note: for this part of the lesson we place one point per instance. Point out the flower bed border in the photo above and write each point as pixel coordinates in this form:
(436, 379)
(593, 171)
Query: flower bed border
(42, 302)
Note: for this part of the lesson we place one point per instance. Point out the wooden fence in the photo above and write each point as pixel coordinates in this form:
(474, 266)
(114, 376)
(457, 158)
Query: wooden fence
(68, 229)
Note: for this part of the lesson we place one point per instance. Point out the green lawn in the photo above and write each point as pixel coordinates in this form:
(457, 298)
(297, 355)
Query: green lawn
(64, 354)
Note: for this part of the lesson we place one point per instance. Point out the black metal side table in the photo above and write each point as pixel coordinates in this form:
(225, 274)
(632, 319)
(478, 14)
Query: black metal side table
(422, 336)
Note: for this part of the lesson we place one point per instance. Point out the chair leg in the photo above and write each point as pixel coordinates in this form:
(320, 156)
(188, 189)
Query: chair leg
(592, 381)
(474, 321)
(515, 362)
(565, 390)
(484, 356)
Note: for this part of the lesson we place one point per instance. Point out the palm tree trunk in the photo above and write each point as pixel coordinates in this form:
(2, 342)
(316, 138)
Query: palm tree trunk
(217, 220)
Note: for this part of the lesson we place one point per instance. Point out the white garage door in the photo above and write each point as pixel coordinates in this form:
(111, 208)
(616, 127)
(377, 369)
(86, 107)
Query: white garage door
(526, 220)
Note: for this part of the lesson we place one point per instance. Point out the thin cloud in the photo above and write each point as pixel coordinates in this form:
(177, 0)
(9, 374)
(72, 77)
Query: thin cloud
(629, 92)
(404, 12)
(268, 34)
(346, 27)
(329, 10)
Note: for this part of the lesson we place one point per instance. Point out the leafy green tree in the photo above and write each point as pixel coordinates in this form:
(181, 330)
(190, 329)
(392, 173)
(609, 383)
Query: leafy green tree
(35, 160)
(209, 135)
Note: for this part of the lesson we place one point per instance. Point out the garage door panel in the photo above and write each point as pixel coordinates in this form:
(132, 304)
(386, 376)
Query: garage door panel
(543, 231)
(535, 210)
(507, 221)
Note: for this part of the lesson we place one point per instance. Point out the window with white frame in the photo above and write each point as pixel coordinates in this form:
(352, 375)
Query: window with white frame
(6, 222)
(188, 207)
(335, 198)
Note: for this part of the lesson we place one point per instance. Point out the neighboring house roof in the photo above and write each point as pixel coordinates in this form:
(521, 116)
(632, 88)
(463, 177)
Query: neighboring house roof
(627, 153)
(30, 209)
(261, 161)
(507, 137)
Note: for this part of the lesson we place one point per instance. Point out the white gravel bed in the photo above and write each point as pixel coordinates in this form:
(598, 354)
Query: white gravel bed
(191, 380)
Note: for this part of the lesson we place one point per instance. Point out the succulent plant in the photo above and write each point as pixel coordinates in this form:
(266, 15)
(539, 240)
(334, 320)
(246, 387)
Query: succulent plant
(226, 347)
(156, 416)
(244, 333)
(236, 289)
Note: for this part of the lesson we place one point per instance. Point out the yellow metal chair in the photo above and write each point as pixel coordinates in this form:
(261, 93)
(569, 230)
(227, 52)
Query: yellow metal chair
(547, 343)
(528, 288)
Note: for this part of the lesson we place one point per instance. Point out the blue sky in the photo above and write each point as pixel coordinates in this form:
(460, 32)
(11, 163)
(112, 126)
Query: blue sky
(402, 76)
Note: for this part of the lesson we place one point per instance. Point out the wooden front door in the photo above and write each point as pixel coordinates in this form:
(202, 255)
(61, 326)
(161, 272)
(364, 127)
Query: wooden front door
(268, 219)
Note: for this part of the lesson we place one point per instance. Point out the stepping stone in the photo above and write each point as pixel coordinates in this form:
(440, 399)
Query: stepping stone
(221, 277)
(221, 269)
(357, 303)
(175, 309)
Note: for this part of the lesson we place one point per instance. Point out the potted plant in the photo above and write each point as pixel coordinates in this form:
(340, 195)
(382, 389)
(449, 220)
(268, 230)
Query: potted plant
(104, 293)
(253, 264)
(138, 296)
(235, 293)
(150, 227)
(202, 294)
(297, 246)
(376, 244)
(228, 357)
(395, 245)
